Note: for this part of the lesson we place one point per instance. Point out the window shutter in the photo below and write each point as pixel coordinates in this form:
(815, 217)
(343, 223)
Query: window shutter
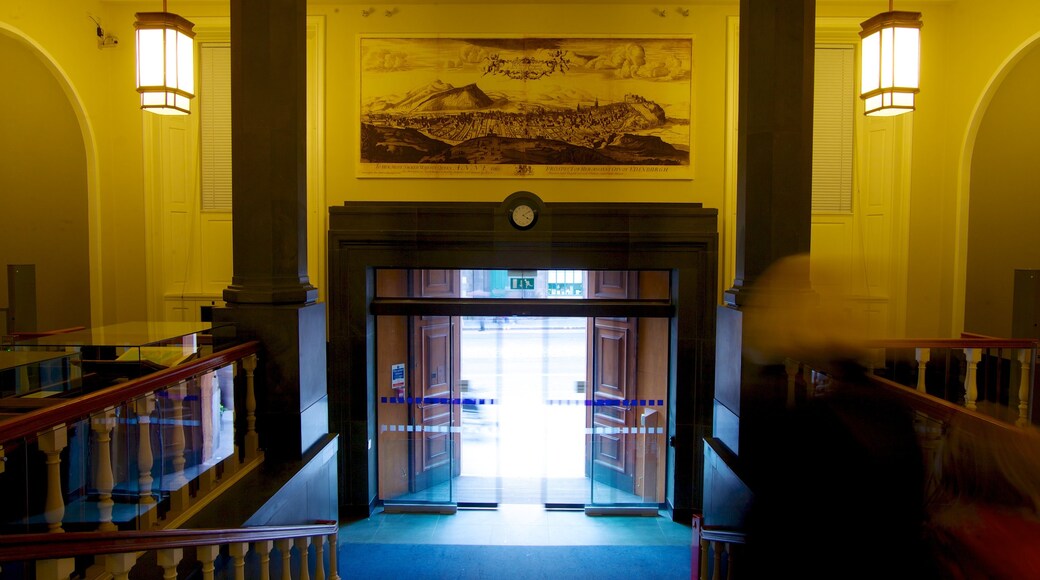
(215, 126)
(832, 130)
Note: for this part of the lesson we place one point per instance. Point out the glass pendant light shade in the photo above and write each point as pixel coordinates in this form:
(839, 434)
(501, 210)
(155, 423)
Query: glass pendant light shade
(891, 62)
(165, 62)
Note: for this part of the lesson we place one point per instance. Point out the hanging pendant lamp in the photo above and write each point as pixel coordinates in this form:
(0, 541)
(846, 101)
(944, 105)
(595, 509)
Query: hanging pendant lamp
(165, 62)
(891, 62)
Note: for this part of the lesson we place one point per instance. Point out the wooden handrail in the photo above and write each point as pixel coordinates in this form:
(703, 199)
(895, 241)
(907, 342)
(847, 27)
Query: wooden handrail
(26, 335)
(970, 341)
(43, 546)
(940, 409)
(29, 424)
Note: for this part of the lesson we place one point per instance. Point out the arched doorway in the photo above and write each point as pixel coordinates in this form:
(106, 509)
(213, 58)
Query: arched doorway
(44, 177)
(1003, 204)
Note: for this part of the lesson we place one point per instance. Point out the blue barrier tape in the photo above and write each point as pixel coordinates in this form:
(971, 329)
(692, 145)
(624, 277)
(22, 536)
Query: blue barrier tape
(494, 429)
(559, 402)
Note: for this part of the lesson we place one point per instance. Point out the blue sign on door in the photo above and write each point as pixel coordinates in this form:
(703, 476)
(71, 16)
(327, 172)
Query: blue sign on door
(397, 376)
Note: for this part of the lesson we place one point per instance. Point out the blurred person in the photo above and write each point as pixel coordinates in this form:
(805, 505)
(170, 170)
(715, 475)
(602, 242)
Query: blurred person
(838, 480)
(985, 516)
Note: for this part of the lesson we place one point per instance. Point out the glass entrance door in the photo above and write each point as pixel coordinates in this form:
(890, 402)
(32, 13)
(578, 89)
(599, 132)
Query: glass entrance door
(523, 413)
(565, 411)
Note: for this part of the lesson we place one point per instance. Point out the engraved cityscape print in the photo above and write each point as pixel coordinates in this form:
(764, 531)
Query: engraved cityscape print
(525, 107)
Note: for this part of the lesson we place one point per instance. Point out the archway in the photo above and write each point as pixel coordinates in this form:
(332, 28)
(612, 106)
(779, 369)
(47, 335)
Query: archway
(1004, 179)
(48, 182)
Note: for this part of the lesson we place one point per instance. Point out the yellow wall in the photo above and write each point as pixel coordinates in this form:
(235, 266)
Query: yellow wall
(43, 189)
(965, 43)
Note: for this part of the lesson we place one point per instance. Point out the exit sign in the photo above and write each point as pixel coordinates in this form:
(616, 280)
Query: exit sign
(521, 283)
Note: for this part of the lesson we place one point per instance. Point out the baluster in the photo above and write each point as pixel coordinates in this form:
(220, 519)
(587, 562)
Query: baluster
(231, 463)
(60, 568)
(716, 548)
(923, 356)
(791, 366)
(144, 407)
(119, 565)
(874, 360)
(102, 423)
(333, 566)
(971, 358)
(301, 545)
(807, 380)
(319, 557)
(1025, 358)
(168, 559)
(252, 439)
(207, 555)
(283, 546)
(703, 573)
(51, 442)
(179, 498)
(237, 551)
(263, 549)
(731, 556)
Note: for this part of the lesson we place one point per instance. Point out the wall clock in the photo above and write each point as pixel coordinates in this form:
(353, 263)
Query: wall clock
(523, 215)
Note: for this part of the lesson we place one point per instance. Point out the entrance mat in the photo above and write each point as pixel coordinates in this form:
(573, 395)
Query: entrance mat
(441, 561)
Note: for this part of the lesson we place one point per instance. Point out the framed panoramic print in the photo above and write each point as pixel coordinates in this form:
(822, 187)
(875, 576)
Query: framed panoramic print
(554, 107)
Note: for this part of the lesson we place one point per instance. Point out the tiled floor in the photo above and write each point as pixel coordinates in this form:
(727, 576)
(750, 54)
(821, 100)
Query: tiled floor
(517, 525)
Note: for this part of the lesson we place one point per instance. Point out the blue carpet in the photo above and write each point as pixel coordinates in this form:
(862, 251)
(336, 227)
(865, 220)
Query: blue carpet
(442, 562)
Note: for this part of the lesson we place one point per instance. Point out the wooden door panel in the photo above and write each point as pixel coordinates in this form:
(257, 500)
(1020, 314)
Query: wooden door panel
(436, 341)
(613, 387)
(435, 354)
(438, 283)
(613, 284)
(612, 376)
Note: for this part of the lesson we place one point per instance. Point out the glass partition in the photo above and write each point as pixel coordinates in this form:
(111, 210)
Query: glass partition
(37, 374)
(119, 352)
(124, 467)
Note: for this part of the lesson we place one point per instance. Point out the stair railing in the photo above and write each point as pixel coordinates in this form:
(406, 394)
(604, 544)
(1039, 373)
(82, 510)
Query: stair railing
(143, 454)
(996, 376)
(260, 552)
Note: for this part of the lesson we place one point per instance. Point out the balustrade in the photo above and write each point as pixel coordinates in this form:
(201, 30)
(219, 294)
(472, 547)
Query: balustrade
(236, 553)
(990, 375)
(94, 470)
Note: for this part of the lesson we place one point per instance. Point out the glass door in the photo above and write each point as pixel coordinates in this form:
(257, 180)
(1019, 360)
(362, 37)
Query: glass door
(523, 413)
(481, 410)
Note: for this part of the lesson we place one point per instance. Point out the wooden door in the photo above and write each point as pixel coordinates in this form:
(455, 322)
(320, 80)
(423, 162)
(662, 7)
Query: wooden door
(436, 358)
(612, 376)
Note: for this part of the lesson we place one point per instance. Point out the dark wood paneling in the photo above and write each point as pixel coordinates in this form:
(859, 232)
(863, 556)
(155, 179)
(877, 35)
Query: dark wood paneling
(681, 239)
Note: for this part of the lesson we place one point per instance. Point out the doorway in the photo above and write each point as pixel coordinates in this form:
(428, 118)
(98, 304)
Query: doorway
(563, 411)
(372, 397)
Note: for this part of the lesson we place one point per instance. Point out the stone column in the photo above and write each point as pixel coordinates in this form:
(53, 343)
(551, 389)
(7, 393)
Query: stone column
(774, 204)
(270, 298)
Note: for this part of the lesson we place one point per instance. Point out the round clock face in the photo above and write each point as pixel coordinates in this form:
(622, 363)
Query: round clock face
(523, 216)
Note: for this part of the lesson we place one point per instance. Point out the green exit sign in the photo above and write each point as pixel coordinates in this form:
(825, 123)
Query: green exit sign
(521, 283)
